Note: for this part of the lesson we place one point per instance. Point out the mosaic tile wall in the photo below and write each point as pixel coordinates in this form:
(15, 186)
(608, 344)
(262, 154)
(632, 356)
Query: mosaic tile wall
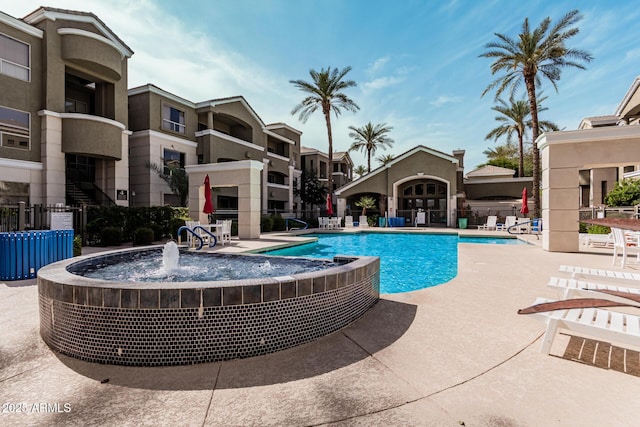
(155, 327)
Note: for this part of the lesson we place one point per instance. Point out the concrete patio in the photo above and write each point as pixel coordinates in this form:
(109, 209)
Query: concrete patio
(453, 354)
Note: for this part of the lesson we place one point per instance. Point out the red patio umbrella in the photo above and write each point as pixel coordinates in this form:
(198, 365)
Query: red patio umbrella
(208, 205)
(525, 207)
(329, 205)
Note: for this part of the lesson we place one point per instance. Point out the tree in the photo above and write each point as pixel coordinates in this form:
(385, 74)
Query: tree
(176, 177)
(366, 202)
(369, 138)
(534, 53)
(311, 191)
(385, 158)
(360, 170)
(625, 193)
(514, 117)
(325, 92)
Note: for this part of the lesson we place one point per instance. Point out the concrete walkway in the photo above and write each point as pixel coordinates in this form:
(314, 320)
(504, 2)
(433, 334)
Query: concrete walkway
(452, 354)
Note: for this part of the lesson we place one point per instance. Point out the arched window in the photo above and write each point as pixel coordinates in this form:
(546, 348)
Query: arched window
(423, 194)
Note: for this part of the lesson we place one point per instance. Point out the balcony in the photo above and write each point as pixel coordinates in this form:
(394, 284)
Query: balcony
(91, 52)
(91, 136)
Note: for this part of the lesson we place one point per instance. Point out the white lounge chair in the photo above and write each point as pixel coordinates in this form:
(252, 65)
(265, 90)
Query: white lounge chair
(363, 221)
(577, 272)
(523, 225)
(599, 323)
(348, 221)
(509, 221)
(583, 288)
(492, 220)
(626, 243)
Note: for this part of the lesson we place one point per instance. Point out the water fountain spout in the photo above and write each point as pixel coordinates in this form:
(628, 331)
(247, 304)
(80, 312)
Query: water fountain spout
(170, 256)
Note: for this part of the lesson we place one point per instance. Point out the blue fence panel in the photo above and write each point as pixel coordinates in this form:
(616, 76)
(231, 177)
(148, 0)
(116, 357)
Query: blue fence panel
(22, 254)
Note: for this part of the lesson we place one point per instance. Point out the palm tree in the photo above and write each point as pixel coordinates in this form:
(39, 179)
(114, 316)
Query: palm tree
(541, 51)
(325, 92)
(360, 170)
(501, 151)
(385, 158)
(515, 119)
(369, 138)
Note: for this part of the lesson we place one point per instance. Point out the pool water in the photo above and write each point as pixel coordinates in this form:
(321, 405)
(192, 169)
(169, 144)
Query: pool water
(407, 261)
(492, 240)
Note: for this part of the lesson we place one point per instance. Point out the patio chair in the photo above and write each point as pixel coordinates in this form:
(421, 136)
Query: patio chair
(190, 225)
(363, 221)
(492, 220)
(323, 222)
(348, 221)
(600, 323)
(588, 289)
(625, 243)
(508, 222)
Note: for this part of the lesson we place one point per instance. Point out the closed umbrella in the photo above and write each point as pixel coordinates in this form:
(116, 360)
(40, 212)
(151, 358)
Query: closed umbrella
(329, 205)
(525, 207)
(208, 205)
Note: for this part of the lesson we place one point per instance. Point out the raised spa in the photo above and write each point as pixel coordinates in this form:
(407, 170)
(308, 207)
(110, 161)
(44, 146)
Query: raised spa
(156, 314)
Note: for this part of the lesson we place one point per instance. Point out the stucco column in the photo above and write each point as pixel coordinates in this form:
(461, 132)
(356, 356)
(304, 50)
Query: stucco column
(245, 175)
(560, 198)
(265, 187)
(53, 159)
(342, 206)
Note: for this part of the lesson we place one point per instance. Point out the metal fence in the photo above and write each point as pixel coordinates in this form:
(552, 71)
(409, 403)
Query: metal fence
(21, 217)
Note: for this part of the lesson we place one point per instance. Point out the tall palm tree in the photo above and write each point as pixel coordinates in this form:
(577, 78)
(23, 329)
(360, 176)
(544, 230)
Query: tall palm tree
(324, 91)
(360, 170)
(508, 151)
(514, 117)
(385, 158)
(369, 138)
(534, 53)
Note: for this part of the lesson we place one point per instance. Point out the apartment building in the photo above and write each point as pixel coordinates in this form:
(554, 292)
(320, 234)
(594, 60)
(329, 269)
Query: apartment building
(167, 129)
(63, 109)
(318, 162)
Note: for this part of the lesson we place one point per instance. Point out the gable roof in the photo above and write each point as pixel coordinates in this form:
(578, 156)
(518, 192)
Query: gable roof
(53, 13)
(406, 154)
(628, 96)
(490, 171)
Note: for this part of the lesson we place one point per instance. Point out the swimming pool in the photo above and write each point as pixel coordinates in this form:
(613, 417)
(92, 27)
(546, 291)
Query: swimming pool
(407, 261)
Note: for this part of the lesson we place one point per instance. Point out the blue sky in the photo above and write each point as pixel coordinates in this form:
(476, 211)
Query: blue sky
(416, 63)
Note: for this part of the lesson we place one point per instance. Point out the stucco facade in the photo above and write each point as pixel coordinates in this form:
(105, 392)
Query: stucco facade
(420, 179)
(63, 108)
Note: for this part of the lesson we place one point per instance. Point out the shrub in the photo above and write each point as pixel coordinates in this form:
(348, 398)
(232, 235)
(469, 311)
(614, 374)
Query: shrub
(266, 224)
(176, 223)
(598, 229)
(110, 236)
(143, 236)
(278, 222)
(77, 246)
(234, 228)
(158, 232)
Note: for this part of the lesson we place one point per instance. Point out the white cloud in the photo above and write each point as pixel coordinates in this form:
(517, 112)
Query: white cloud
(378, 64)
(443, 99)
(382, 82)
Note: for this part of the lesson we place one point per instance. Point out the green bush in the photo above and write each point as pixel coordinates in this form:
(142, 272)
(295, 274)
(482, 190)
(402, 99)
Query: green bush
(625, 193)
(176, 223)
(158, 232)
(234, 228)
(143, 236)
(77, 246)
(278, 222)
(266, 224)
(110, 236)
(598, 229)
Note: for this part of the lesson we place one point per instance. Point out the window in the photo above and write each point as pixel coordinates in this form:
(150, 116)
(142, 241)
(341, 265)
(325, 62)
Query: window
(173, 119)
(14, 128)
(14, 58)
(172, 159)
(276, 178)
(75, 106)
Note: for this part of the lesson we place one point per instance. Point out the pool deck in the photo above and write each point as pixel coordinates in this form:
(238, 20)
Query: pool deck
(450, 355)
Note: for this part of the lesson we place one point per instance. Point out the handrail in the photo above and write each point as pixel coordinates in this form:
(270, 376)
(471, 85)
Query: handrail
(518, 225)
(215, 239)
(286, 223)
(189, 230)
